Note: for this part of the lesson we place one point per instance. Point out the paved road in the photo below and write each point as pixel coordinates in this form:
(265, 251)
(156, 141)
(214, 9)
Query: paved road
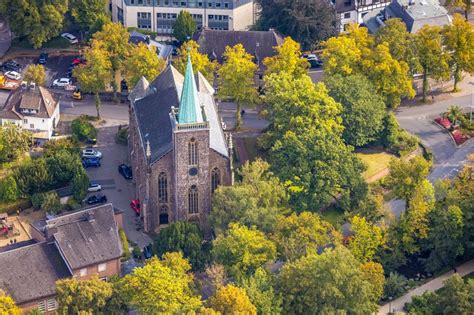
(433, 285)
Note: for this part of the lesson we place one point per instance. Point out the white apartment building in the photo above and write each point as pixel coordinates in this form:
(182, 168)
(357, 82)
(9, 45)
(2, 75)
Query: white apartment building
(353, 11)
(34, 109)
(160, 15)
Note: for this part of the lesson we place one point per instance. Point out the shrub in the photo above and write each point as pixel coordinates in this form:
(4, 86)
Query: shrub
(8, 189)
(37, 200)
(12, 207)
(394, 285)
(126, 250)
(51, 202)
(83, 129)
(72, 204)
(122, 136)
(395, 139)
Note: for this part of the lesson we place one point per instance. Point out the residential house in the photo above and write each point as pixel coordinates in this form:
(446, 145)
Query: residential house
(354, 11)
(164, 51)
(79, 245)
(33, 108)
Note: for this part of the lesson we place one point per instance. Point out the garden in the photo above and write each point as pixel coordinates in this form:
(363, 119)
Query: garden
(458, 123)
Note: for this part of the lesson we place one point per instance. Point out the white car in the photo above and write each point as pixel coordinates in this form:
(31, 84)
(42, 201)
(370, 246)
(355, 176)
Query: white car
(91, 153)
(13, 75)
(71, 38)
(311, 57)
(94, 188)
(62, 82)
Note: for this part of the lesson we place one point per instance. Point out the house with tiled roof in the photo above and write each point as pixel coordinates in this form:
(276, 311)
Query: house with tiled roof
(33, 108)
(79, 245)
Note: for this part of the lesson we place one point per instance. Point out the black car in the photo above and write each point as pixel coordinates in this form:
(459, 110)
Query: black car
(315, 63)
(94, 199)
(11, 66)
(43, 58)
(126, 171)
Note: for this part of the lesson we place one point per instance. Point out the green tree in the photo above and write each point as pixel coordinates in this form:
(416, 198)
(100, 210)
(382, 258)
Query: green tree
(8, 189)
(87, 12)
(184, 237)
(184, 26)
(405, 176)
(308, 22)
(51, 202)
(50, 148)
(80, 183)
(366, 240)
(82, 129)
(113, 38)
(374, 274)
(201, 62)
(298, 235)
(287, 59)
(62, 166)
(425, 304)
(330, 283)
(95, 75)
(445, 237)
(458, 296)
(14, 141)
(32, 177)
(36, 74)
(82, 296)
(242, 250)
(363, 109)
(459, 41)
(7, 305)
(394, 285)
(256, 200)
(431, 55)
(236, 79)
(455, 114)
(143, 62)
(260, 290)
(396, 139)
(161, 286)
(232, 300)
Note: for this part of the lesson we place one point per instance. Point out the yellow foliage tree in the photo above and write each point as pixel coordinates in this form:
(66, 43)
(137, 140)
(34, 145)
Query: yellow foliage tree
(232, 300)
(288, 59)
(143, 62)
(366, 239)
(201, 62)
(7, 305)
(373, 273)
(341, 54)
(36, 74)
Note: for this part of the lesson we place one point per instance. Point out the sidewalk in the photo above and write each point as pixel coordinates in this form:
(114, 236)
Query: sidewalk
(433, 285)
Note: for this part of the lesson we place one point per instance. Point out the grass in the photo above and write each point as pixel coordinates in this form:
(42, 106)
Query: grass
(375, 161)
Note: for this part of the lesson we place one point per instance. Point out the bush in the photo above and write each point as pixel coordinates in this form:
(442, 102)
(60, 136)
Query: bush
(126, 250)
(83, 129)
(37, 200)
(8, 189)
(72, 204)
(51, 202)
(13, 207)
(80, 184)
(122, 136)
(52, 147)
(395, 139)
(394, 285)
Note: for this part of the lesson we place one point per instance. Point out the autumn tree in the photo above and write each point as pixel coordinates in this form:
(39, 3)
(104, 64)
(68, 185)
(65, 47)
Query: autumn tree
(232, 300)
(363, 109)
(332, 282)
(341, 55)
(259, 288)
(95, 75)
(113, 38)
(374, 274)
(366, 240)
(86, 13)
(184, 26)
(459, 41)
(14, 141)
(142, 62)
(400, 41)
(7, 305)
(236, 79)
(256, 200)
(465, 5)
(161, 286)
(431, 55)
(201, 62)
(76, 296)
(36, 74)
(242, 250)
(300, 234)
(287, 59)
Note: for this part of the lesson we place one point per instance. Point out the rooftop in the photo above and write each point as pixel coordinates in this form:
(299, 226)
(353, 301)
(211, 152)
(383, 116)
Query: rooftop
(35, 98)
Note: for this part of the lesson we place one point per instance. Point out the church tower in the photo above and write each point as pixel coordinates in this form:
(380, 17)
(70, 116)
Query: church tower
(190, 142)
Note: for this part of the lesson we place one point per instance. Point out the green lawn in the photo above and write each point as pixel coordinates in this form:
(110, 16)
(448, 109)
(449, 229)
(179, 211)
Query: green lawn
(375, 161)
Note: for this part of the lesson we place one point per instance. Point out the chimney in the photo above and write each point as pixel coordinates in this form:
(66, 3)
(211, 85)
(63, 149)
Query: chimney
(32, 86)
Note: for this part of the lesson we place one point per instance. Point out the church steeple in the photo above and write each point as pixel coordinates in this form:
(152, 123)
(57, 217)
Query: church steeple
(189, 107)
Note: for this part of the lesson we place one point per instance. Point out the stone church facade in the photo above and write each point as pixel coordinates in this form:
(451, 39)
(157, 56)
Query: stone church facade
(178, 150)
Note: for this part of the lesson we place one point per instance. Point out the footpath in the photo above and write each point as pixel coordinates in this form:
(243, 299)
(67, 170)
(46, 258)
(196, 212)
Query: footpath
(433, 285)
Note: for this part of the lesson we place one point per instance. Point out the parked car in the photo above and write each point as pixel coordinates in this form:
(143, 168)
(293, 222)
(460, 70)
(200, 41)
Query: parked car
(94, 187)
(91, 162)
(43, 58)
(91, 141)
(13, 75)
(315, 63)
(77, 95)
(11, 66)
(78, 61)
(147, 252)
(95, 199)
(71, 38)
(135, 205)
(91, 153)
(126, 171)
(62, 82)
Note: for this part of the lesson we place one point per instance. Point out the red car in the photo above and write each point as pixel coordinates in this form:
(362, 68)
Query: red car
(135, 204)
(78, 61)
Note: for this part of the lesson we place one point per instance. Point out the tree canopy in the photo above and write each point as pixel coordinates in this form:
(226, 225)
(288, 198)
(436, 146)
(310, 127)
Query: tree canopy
(142, 62)
(201, 62)
(287, 59)
(7, 305)
(366, 240)
(232, 300)
(86, 13)
(184, 26)
(14, 141)
(36, 74)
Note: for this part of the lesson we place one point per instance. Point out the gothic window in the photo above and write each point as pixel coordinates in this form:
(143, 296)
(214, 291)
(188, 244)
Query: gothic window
(162, 187)
(193, 200)
(164, 215)
(215, 179)
(193, 152)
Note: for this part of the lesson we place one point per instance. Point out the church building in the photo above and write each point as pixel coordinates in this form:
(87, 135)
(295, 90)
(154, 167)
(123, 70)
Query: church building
(178, 150)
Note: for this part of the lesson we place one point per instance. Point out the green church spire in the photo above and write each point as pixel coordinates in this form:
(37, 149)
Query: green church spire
(189, 107)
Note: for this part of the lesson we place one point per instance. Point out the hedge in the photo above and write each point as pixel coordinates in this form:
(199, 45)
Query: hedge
(126, 250)
(12, 207)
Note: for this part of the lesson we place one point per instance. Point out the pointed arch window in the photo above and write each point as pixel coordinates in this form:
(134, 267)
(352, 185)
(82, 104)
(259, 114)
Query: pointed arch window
(193, 200)
(162, 187)
(193, 152)
(215, 179)
(164, 215)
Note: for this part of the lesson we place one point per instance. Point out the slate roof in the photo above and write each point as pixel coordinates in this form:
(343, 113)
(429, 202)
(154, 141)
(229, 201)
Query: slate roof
(164, 51)
(38, 98)
(152, 113)
(258, 43)
(87, 237)
(30, 272)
